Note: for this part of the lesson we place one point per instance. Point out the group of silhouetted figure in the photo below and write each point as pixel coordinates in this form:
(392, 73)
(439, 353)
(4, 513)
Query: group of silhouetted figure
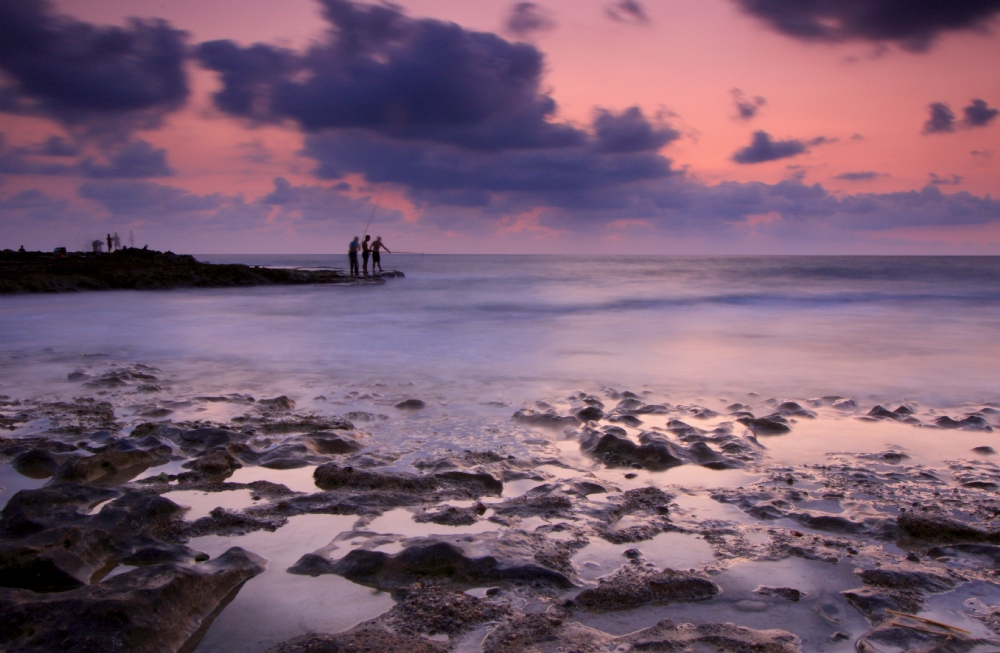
(114, 242)
(369, 248)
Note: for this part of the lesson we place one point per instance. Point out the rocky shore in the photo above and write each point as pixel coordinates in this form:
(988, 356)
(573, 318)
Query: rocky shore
(142, 269)
(498, 549)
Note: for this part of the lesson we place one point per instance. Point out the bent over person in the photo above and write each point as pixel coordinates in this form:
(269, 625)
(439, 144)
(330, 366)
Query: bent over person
(377, 247)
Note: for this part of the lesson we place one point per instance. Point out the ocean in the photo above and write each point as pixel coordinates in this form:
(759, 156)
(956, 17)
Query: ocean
(509, 327)
(699, 343)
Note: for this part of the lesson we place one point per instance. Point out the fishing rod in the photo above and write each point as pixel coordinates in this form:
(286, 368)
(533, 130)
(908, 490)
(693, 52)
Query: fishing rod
(374, 207)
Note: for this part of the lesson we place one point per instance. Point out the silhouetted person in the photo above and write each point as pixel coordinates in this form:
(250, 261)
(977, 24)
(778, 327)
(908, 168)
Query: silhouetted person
(21, 251)
(377, 246)
(111, 244)
(352, 255)
(365, 253)
(117, 241)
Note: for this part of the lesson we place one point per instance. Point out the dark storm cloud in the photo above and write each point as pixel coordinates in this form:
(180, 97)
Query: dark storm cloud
(453, 115)
(408, 78)
(746, 107)
(445, 170)
(145, 198)
(629, 131)
(58, 146)
(762, 149)
(107, 79)
(627, 11)
(859, 176)
(913, 24)
(134, 161)
(941, 120)
(979, 114)
(527, 18)
(323, 204)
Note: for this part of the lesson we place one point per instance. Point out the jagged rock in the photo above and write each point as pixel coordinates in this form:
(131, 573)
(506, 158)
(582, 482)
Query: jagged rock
(332, 477)
(970, 423)
(633, 586)
(900, 578)
(214, 463)
(549, 419)
(620, 451)
(328, 443)
(873, 602)
(941, 529)
(147, 610)
(282, 403)
(907, 634)
(770, 425)
(478, 482)
(36, 463)
(452, 516)
(434, 610)
(120, 464)
(435, 561)
(787, 593)
(358, 640)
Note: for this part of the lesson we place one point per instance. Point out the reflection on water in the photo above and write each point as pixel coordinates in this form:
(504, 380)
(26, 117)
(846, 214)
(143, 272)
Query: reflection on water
(254, 621)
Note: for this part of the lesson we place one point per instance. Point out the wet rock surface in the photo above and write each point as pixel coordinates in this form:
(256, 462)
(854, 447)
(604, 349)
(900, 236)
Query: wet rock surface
(520, 546)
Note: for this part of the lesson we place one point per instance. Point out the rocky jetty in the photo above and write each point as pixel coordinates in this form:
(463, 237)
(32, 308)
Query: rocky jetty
(143, 269)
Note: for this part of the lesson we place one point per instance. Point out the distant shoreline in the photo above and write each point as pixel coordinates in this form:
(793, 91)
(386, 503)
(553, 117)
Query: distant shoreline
(144, 269)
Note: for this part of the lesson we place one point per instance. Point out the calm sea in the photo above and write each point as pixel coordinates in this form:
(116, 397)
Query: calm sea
(510, 327)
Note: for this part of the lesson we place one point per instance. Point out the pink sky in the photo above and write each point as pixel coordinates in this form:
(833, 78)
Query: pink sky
(865, 99)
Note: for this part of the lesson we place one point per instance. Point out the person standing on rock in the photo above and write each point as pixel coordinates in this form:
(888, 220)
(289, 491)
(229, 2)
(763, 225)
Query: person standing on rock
(111, 244)
(117, 241)
(366, 251)
(377, 246)
(352, 256)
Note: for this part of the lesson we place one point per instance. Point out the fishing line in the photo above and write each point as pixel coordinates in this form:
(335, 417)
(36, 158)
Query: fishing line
(374, 207)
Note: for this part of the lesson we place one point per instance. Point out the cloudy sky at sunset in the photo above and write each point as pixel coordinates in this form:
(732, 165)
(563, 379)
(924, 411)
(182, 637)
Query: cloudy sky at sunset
(488, 126)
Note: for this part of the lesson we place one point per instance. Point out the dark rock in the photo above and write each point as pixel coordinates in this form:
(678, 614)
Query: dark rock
(147, 610)
(214, 463)
(532, 505)
(331, 444)
(226, 522)
(900, 578)
(873, 603)
(907, 634)
(941, 529)
(880, 412)
(618, 451)
(633, 586)
(434, 610)
(333, 477)
(452, 516)
(436, 561)
(477, 482)
(589, 414)
(665, 636)
(970, 423)
(770, 425)
(787, 593)
(358, 640)
(162, 554)
(411, 404)
(548, 419)
(281, 403)
(36, 463)
(303, 424)
(110, 466)
(985, 450)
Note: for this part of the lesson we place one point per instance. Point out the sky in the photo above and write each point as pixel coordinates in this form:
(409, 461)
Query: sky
(489, 126)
